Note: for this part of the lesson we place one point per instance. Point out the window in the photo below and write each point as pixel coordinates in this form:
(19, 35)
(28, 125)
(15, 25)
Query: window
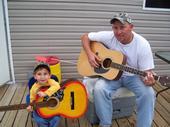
(163, 5)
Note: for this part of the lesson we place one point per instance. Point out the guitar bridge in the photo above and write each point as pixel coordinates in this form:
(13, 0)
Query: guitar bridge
(72, 100)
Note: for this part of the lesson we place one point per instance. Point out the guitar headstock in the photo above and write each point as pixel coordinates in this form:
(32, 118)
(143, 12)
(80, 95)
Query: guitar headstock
(164, 80)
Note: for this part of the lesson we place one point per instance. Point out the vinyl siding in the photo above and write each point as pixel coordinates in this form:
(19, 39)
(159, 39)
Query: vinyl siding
(54, 27)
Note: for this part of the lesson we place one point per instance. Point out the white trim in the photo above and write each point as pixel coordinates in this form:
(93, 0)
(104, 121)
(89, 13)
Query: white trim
(153, 9)
(9, 42)
(156, 9)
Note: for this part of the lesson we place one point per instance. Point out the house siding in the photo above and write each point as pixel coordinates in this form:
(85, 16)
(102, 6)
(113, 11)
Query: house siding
(54, 27)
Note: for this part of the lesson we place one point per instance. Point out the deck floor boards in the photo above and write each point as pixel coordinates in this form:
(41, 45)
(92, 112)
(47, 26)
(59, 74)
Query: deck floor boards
(16, 94)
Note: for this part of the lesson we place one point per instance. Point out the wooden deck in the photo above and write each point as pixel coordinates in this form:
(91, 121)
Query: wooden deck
(15, 94)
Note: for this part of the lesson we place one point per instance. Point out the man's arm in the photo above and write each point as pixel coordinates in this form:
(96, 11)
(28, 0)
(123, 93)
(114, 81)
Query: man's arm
(86, 43)
(92, 57)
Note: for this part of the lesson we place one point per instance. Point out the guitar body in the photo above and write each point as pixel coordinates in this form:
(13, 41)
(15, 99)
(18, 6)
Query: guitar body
(85, 69)
(72, 105)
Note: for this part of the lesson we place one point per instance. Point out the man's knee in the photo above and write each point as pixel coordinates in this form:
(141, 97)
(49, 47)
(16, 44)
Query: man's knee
(148, 93)
(99, 86)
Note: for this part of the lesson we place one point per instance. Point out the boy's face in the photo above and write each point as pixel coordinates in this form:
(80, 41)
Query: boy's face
(42, 76)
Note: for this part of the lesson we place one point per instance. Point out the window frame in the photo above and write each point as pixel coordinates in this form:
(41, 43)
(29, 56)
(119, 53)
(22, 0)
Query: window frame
(153, 8)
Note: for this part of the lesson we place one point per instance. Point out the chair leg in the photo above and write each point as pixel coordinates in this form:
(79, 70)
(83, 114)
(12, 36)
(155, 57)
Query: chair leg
(94, 125)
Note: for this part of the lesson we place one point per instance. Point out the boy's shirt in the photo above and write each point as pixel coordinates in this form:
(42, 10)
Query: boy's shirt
(54, 86)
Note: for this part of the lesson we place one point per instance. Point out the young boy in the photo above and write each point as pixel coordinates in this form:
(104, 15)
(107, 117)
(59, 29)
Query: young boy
(42, 74)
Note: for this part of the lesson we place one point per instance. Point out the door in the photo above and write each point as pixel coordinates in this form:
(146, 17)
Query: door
(4, 58)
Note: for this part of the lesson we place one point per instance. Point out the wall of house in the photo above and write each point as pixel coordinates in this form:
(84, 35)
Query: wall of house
(54, 27)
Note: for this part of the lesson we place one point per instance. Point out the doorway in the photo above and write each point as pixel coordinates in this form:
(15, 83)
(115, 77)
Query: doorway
(4, 54)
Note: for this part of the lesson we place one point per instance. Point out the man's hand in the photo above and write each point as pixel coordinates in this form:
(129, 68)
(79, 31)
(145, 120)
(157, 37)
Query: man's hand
(149, 79)
(94, 60)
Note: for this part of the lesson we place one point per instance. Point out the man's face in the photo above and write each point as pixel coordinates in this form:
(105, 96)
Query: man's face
(123, 32)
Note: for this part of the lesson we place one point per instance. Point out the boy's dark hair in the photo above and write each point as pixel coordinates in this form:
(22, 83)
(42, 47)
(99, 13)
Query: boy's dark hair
(42, 66)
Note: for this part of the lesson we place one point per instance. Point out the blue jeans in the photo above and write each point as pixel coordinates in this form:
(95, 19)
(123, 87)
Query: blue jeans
(50, 122)
(145, 99)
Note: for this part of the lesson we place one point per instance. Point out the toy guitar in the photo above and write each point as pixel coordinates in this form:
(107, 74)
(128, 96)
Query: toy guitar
(112, 65)
(70, 101)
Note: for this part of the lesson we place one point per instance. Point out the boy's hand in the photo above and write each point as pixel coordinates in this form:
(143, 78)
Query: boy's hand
(29, 108)
(41, 94)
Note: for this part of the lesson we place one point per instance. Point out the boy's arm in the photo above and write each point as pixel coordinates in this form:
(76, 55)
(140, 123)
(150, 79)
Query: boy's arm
(33, 92)
(54, 87)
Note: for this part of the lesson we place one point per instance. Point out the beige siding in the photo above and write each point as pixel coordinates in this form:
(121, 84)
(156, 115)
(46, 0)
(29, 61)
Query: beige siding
(54, 27)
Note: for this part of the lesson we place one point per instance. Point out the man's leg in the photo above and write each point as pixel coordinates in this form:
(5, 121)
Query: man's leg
(103, 91)
(145, 98)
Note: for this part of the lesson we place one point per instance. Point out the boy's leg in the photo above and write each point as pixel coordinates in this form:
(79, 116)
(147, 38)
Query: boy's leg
(54, 121)
(41, 122)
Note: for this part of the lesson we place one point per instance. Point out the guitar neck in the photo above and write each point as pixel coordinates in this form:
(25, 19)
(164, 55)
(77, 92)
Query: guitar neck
(13, 107)
(22, 106)
(131, 70)
(119, 59)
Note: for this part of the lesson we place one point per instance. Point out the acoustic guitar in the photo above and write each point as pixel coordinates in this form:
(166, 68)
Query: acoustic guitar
(70, 102)
(112, 65)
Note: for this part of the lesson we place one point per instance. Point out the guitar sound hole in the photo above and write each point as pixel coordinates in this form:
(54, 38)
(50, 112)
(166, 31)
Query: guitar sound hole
(53, 102)
(107, 63)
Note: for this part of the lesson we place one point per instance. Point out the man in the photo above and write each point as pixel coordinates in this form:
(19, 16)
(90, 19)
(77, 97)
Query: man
(139, 55)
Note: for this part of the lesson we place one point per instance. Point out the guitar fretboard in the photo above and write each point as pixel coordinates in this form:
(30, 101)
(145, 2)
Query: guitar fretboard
(13, 107)
(23, 106)
(131, 70)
